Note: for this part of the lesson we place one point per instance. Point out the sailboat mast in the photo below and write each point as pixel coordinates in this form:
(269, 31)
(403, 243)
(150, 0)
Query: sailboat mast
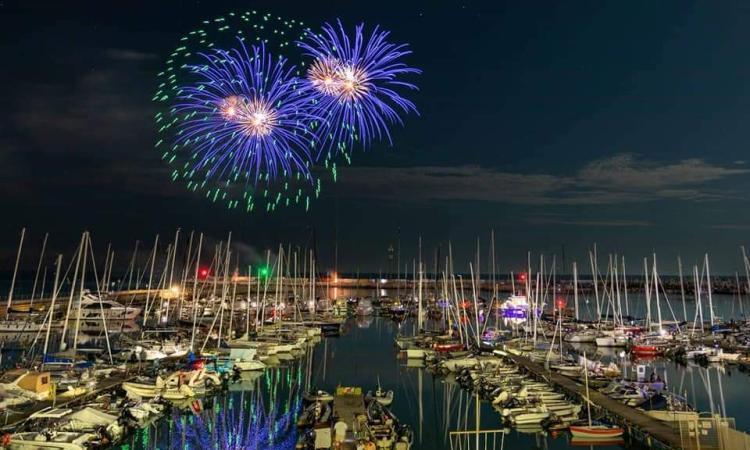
(15, 272)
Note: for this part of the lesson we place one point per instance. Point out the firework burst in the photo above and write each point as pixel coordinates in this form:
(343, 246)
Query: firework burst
(357, 82)
(232, 123)
(246, 114)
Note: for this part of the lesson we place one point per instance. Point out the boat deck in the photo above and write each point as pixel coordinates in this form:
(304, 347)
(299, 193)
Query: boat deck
(628, 417)
(14, 418)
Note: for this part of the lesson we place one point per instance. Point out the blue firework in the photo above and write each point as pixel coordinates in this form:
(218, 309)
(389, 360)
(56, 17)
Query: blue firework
(245, 117)
(355, 83)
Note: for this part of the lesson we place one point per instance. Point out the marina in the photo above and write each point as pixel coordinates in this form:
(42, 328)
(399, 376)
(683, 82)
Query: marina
(374, 225)
(428, 360)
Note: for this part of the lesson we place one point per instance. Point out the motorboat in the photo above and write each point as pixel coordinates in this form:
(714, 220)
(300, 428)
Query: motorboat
(64, 440)
(93, 307)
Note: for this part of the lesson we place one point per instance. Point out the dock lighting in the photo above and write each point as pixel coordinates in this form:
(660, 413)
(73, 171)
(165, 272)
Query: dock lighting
(383, 281)
(175, 290)
(335, 277)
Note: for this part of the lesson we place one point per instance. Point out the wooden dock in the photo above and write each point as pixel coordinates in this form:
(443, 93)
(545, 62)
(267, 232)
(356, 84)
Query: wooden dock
(654, 433)
(348, 405)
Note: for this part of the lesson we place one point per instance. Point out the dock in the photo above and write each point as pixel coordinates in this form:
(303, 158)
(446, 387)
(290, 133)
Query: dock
(654, 433)
(348, 405)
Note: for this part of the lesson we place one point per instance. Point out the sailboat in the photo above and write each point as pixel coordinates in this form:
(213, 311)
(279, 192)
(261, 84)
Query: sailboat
(593, 431)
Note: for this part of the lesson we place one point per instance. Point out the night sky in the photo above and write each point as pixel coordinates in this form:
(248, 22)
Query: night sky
(555, 124)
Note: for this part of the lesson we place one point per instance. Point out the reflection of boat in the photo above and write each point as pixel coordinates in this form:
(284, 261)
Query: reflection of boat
(596, 442)
(598, 432)
(364, 321)
(20, 326)
(364, 307)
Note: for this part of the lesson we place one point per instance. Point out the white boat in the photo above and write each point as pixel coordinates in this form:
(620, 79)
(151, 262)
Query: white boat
(617, 340)
(27, 384)
(51, 439)
(21, 326)
(454, 365)
(666, 415)
(580, 337)
(415, 353)
(91, 419)
(92, 307)
(381, 396)
(526, 416)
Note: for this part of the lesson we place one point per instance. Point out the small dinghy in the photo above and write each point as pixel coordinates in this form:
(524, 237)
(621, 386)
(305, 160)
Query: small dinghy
(594, 431)
(385, 398)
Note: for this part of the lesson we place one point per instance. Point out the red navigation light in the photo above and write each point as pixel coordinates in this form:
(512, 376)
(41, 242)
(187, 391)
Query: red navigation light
(560, 302)
(203, 273)
(522, 276)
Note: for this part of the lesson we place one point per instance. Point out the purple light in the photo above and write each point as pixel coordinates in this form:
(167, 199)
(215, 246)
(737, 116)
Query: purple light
(354, 82)
(246, 117)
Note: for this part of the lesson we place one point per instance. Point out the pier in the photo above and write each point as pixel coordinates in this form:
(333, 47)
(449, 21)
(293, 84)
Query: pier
(348, 406)
(655, 433)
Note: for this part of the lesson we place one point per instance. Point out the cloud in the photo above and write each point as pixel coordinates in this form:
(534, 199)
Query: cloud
(622, 178)
(588, 223)
(98, 109)
(730, 226)
(120, 54)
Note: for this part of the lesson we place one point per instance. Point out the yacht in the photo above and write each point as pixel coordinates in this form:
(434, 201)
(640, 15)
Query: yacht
(92, 307)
